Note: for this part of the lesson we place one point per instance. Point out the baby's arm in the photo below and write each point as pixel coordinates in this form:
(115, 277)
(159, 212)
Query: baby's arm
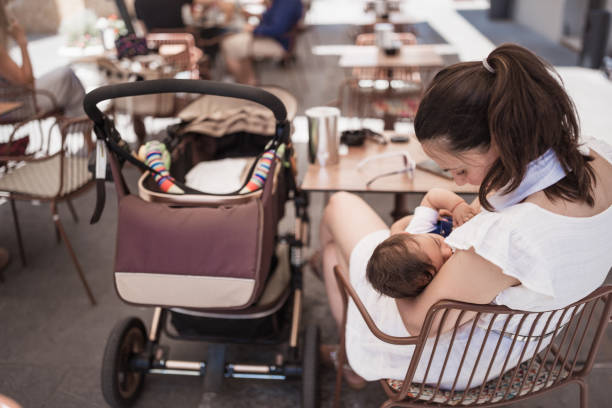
(401, 224)
(440, 199)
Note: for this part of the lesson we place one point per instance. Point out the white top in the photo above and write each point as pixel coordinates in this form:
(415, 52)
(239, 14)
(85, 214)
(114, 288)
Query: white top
(557, 259)
(423, 220)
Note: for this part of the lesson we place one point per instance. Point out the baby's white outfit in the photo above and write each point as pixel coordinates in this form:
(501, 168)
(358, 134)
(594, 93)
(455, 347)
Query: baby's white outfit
(557, 259)
(424, 219)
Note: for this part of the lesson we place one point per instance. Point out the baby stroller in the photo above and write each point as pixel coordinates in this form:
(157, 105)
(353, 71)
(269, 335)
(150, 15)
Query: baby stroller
(210, 264)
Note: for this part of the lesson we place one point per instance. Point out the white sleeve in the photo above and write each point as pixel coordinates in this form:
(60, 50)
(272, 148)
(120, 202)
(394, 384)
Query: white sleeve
(495, 237)
(424, 220)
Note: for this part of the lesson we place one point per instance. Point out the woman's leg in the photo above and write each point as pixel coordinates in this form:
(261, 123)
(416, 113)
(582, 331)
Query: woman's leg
(346, 220)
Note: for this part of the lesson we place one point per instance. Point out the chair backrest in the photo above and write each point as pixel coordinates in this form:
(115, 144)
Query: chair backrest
(553, 348)
(57, 166)
(402, 74)
(76, 149)
(178, 49)
(27, 97)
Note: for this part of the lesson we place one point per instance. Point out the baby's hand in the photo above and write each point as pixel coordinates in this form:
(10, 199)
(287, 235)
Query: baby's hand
(462, 214)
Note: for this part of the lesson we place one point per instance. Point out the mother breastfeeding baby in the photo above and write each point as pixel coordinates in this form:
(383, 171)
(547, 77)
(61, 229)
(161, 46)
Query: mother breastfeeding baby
(506, 125)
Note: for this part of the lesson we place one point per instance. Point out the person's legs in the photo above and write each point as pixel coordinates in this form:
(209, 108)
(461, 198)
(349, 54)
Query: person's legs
(346, 220)
(236, 52)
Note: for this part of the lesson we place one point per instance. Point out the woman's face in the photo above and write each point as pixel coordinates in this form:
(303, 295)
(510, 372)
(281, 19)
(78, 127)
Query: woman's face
(470, 166)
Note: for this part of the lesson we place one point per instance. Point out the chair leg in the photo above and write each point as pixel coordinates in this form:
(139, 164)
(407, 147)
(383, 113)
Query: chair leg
(75, 217)
(387, 404)
(339, 372)
(60, 228)
(584, 393)
(18, 232)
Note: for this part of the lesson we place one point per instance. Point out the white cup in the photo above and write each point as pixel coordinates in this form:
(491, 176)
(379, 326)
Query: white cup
(383, 34)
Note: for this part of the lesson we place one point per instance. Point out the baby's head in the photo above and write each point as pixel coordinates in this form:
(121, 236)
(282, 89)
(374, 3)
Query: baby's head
(404, 264)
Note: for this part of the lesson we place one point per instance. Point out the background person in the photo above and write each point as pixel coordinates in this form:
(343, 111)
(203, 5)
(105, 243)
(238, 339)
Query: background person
(62, 83)
(505, 124)
(269, 39)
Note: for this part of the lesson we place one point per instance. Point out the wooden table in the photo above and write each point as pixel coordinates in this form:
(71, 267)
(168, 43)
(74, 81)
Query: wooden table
(6, 107)
(409, 56)
(345, 176)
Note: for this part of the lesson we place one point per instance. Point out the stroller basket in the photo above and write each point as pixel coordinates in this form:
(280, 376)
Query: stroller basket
(197, 251)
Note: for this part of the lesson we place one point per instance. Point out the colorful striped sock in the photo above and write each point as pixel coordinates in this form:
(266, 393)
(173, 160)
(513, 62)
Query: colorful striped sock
(260, 173)
(157, 157)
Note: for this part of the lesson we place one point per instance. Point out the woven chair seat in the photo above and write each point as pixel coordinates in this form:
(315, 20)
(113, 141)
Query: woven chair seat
(41, 178)
(489, 394)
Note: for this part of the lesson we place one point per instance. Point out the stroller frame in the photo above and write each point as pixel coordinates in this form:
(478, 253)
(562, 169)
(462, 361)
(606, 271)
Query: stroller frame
(132, 352)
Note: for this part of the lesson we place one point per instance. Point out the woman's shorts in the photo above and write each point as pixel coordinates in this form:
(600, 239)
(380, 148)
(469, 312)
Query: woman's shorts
(244, 45)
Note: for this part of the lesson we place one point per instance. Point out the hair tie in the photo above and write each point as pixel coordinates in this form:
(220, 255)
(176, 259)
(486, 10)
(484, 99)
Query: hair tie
(488, 67)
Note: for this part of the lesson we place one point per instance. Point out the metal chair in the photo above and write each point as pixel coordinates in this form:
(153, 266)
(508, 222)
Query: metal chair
(57, 170)
(575, 333)
(389, 94)
(28, 114)
(398, 74)
(179, 50)
(29, 109)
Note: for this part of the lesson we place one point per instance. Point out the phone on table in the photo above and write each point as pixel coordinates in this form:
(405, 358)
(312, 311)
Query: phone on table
(431, 166)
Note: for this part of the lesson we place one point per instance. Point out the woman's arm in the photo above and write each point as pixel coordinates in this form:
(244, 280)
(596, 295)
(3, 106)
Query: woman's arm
(8, 68)
(465, 277)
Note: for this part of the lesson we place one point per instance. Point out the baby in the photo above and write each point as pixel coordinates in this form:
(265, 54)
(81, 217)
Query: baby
(403, 264)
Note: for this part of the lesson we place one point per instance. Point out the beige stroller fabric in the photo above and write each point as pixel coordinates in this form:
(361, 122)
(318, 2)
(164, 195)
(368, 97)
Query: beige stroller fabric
(220, 115)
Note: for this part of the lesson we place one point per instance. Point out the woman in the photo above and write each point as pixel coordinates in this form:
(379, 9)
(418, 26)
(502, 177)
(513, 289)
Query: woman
(507, 125)
(62, 83)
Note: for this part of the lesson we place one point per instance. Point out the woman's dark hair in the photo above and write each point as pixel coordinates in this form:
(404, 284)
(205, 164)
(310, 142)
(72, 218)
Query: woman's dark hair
(396, 271)
(520, 108)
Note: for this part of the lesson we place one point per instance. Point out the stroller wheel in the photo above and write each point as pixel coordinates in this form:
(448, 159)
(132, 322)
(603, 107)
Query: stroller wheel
(121, 383)
(215, 368)
(310, 368)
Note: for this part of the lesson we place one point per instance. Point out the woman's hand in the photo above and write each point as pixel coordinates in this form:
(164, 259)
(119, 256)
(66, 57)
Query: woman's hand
(462, 214)
(16, 31)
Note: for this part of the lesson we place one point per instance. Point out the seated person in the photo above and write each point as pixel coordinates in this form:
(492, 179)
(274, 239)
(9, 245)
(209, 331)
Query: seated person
(269, 39)
(544, 191)
(403, 264)
(62, 83)
(169, 15)
(160, 14)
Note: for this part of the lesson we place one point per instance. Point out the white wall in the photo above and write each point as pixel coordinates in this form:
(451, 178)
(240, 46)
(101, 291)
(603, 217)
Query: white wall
(542, 16)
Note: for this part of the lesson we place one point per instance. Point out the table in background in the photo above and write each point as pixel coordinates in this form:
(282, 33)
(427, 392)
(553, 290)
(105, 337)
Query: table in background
(345, 176)
(424, 57)
(370, 60)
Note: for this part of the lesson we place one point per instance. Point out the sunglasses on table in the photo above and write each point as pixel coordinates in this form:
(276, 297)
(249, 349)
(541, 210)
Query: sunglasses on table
(408, 165)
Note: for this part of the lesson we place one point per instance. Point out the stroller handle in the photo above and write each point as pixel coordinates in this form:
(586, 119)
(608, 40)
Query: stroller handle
(181, 85)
